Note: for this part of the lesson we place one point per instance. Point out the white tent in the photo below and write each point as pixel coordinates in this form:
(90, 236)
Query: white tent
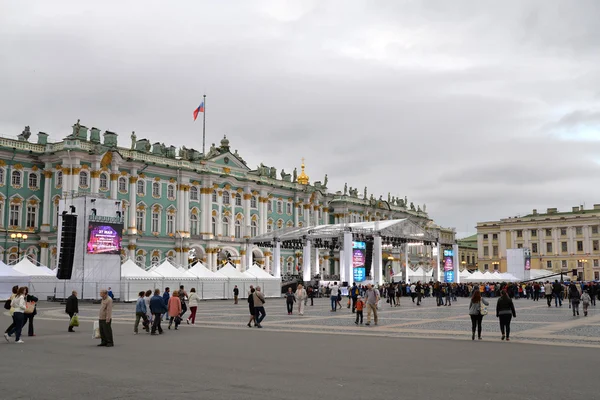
(419, 275)
(210, 284)
(270, 285)
(236, 277)
(464, 274)
(135, 279)
(9, 278)
(129, 269)
(28, 268)
(42, 280)
(168, 270)
(476, 276)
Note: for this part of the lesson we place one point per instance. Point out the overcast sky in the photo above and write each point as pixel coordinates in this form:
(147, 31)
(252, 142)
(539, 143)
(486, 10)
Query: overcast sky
(481, 110)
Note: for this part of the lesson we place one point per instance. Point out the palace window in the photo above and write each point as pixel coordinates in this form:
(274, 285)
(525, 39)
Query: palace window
(486, 267)
(548, 232)
(15, 212)
(486, 251)
(578, 230)
(139, 220)
(103, 181)
(122, 185)
(1, 176)
(596, 263)
(563, 264)
(595, 245)
(254, 228)
(563, 231)
(171, 223)
(269, 206)
(549, 264)
(155, 260)
(214, 226)
(194, 193)
(140, 260)
(225, 197)
(563, 247)
(579, 245)
(519, 245)
(238, 229)
(225, 226)
(31, 216)
(141, 187)
(83, 179)
(253, 202)
(59, 178)
(238, 199)
(171, 192)
(155, 190)
(194, 224)
(495, 251)
(534, 233)
(485, 236)
(495, 236)
(595, 230)
(33, 181)
(288, 208)
(549, 247)
(534, 248)
(155, 221)
(214, 196)
(279, 207)
(519, 233)
(270, 226)
(16, 178)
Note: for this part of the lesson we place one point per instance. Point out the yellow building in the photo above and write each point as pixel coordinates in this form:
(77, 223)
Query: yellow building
(467, 252)
(558, 241)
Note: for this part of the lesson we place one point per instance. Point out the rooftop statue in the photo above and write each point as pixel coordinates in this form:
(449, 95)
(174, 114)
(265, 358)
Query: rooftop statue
(412, 206)
(295, 175)
(24, 136)
(419, 208)
(133, 140)
(424, 207)
(273, 174)
(345, 189)
(325, 181)
(401, 202)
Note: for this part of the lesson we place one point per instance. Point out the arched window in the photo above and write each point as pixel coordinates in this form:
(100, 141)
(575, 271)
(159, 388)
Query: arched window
(155, 260)
(238, 229)
(122, 184)
(289, 224)
(155, 189)
(140, 219)
(269, 206)
(104, 181)
(171, 192)
(279, 207)
(194, 224)
(141, 187)
(16, 178)
(253, 202)
(238, 199)
(214, 196)
(279, 223)
(83, 179)
(33, 181)
(254, 228)
(170, 223)
(288, 208)
(59, 178)
(270, 226)
(225, 197)
(140, 260)
(194, 193)
(225, 226)
(214, 226)
(15, 214)
(13, 258)
(1, 176)
(31, 221)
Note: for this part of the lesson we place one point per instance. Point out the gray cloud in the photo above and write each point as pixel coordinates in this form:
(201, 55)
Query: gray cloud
(480, 110)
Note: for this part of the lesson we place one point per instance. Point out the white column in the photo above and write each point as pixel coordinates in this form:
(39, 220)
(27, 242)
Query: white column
(316, 215)
(47, 201)
(132, 251)
(249, 259)
(268, 263)
(325, 215)
(277, 260)
(406, 262)
(306, 263)
(342, 265)
(316, 265)
(186, 209)
(75, 169)
(377, 260)
(132, 198)
(456, 263)
(220, 213)
(587, 248)
(306, 214)
(296, 213)
(113, 182)
(349, 277)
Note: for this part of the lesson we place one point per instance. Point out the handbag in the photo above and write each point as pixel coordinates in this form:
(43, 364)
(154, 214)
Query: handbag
(483, 308)
(30, 307)
(96, 330)
(7, 304)
(74, 321)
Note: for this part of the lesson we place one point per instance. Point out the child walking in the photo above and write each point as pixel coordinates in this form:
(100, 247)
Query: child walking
(360, 304)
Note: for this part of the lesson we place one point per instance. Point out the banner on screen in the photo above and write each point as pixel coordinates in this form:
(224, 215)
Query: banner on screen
(527, 254)
(359, 250)
(104, 238)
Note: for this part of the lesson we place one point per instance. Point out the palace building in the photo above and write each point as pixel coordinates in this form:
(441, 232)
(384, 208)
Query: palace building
(177, 203)
(558, 241)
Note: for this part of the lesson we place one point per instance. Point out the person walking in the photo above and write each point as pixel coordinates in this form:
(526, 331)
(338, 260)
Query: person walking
(105, 319)
(140, 313)
(586, 299)
(157, 308)
(18, 306)
(29, 311)
(335, 290)
(557, 291)
(110, 294)
(311, 294)
(15, 289)
(174, 310)
(72, 308)
(301, 298)
(419, 289)
(147, 298)
(372, 297)
(290, 298)
(182, 296)
(194, 300)
(251, 306)
(574, 298)
(236, 293)
(548, 293)
(391, 293)
(360, 304)
(477, 312)
(447, 293)
(259, 306)
(166, 296)
(505, 311)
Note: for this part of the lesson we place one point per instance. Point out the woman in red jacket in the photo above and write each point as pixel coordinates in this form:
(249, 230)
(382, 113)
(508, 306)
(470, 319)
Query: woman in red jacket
(174, 308)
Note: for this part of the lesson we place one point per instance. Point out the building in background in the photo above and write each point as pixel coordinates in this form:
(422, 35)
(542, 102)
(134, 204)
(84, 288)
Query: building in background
(467, 252)
(558, 241)
(177, 204)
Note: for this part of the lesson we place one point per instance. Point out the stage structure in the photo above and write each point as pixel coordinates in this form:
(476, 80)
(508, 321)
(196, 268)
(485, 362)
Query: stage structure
(351, 240)
(97, 260)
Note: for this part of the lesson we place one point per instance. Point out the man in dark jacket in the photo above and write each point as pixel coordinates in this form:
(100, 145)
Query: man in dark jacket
(157, 308)
(557, 290)
(236, 293)
(166, 295)
(72, 307)
(354, 292)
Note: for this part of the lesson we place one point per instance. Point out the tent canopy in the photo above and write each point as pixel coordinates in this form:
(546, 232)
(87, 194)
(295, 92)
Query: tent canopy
(230, 271)
(201, 271)
(28, 268)
(129, 269)
(260, 273)
(168, 270)
(6, 271)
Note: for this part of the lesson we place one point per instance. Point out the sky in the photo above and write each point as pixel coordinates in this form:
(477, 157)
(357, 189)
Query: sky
(480, 110)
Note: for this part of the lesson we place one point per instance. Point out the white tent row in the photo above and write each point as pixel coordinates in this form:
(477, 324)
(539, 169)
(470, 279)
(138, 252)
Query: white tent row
(487, 276)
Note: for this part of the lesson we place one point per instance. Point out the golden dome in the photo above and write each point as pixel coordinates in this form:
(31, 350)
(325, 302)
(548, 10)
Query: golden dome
(303, 178)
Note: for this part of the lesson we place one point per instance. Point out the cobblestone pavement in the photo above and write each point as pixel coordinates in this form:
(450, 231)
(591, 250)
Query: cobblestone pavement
(535, 322)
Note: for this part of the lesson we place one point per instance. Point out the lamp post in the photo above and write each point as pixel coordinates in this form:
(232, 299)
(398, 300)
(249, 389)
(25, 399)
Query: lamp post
(18, 237)
(464, 264)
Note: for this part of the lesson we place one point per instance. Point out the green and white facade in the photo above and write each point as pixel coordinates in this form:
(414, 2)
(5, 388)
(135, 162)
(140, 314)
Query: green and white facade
(177, 203)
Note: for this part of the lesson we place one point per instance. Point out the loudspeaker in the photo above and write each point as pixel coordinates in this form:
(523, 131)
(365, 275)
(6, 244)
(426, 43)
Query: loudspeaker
(368, 257)
(67, 246)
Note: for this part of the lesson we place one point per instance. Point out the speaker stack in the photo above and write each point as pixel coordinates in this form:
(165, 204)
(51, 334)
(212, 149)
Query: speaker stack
(67, 246)
(368, 257)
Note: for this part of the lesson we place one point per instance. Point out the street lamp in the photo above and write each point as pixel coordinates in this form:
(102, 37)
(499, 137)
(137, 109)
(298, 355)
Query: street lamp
(18, 237)
(464, 264)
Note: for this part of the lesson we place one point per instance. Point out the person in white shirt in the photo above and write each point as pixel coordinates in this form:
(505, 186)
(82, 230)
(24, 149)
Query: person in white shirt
(334, 295)
(19, 305)
(301, 298)
(413, 291)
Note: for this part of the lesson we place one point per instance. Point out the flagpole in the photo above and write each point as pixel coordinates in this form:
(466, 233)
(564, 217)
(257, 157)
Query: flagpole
(204, 129)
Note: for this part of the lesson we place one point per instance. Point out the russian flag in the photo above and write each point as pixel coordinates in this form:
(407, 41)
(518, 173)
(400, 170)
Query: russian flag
(200, 109)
